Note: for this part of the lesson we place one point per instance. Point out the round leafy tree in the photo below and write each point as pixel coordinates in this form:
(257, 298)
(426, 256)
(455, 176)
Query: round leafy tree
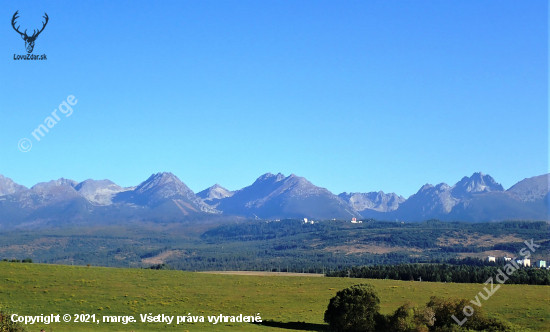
(354, 309)
(7, 325)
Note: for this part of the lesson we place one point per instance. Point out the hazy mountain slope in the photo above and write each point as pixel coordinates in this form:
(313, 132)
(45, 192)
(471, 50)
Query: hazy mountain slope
(276, 196)
(54, 201)
(496, 206)
(478, 183)
(429, 202)
(526, 200)
(531, 189)
(477, 198)
(8, 187)
(376, 201)
(98, 192)
(164, 197)
(165, 191)
(52, 192)
(214, 192)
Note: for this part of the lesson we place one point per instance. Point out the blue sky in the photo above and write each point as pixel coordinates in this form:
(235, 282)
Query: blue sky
(353, 95)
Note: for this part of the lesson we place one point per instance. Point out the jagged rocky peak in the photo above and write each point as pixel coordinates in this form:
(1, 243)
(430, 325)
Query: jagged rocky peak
(475, 184)
(164, 179)
(8, 187)
(99, 192)
(425, 187)
(377, 201)
(164, 187)
(215, 192)
(442, 187)
(429, 189)
(96, 184)
(54, 183)
(281, 176)
(435, 199)
(295, 179)
(271, 177)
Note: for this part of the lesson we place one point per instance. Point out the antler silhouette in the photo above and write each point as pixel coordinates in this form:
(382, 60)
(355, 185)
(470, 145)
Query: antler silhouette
(29, 40)
(34, 34)
(15, 17)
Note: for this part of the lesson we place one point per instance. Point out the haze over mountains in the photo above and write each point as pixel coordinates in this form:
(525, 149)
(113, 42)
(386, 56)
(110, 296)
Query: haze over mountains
(276, 196)
(164, 197)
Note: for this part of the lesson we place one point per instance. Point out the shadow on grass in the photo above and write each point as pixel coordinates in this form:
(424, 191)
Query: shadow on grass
(302, 326)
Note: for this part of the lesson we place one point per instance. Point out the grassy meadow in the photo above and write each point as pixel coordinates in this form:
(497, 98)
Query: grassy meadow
(34, 289)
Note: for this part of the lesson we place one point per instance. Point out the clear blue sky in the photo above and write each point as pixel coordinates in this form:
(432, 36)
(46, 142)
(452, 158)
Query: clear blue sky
(353, 95)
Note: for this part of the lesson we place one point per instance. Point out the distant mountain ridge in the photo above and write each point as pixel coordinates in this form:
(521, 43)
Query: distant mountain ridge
(476, 184)
(376, 201)
(531, 189)
(98, 192)
(475, 198)
(215, 192)
(164, 197)
(276, 196)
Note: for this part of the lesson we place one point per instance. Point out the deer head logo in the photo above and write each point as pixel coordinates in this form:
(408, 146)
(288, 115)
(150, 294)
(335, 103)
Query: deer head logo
(29, 40)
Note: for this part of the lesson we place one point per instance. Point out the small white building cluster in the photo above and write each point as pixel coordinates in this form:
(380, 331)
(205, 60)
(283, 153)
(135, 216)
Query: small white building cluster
(521, 262)
(308, 221)
(524, 262)
(355, 221)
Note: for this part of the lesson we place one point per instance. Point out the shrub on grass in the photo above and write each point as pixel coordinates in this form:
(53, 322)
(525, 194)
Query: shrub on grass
(354, 309)
(6, 324)
(160, 267)
(409, 318)
(444, 309)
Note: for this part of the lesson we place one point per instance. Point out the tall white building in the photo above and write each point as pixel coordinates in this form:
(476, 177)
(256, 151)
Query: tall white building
(524, 262)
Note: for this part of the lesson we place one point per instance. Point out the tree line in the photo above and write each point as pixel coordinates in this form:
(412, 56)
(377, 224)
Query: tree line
(444, 273)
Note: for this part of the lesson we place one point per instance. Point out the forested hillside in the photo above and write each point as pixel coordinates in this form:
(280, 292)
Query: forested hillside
(274, 246)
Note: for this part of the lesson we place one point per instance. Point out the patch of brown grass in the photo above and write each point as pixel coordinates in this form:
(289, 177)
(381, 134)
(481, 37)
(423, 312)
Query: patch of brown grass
(370, 248)
(162, 257)
(456, 238)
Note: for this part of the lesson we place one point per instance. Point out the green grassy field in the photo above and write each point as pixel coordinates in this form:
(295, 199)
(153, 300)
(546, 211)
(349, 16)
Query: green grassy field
(34, 289)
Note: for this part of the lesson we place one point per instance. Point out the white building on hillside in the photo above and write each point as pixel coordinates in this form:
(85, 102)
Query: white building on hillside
(524, 262)
(540, 264)
(491, 259)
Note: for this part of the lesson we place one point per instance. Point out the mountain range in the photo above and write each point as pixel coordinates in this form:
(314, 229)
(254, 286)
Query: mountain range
(164, 197)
